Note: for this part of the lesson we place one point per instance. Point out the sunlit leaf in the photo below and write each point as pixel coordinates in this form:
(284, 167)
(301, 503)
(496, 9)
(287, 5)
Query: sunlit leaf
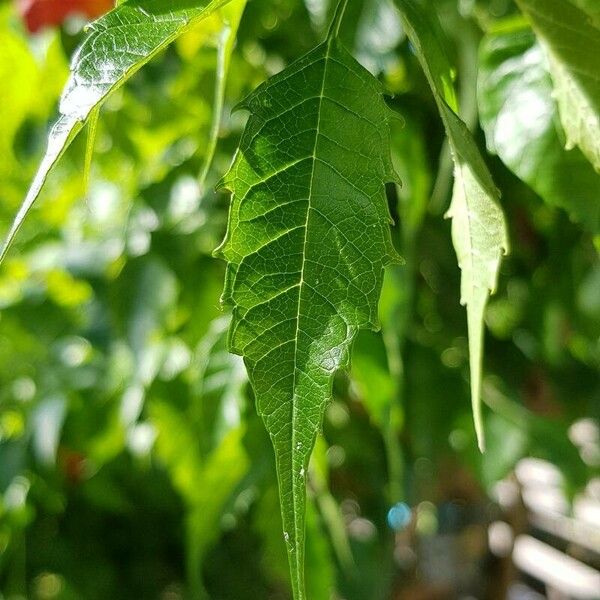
(307, 241)
(572, 44)
(118, 44)
(521, 124)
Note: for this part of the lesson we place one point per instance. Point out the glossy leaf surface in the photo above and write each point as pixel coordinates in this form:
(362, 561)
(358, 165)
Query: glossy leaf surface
(521, 124)
(119, 43)
(308, 238)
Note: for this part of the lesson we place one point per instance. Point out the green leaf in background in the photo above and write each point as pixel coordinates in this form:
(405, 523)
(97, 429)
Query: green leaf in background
(119, 43)
(205, 483)
(572, 43)
(231, 16)
(478, 226)
(221, 379)
(202, 448)
(308, 238)
(520, 120)
(19, 90)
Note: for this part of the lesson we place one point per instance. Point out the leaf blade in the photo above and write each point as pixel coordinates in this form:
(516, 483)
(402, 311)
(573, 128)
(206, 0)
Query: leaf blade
(301, 169)
(103, 62)
(513, 77)
(474, 208)
(572, 44)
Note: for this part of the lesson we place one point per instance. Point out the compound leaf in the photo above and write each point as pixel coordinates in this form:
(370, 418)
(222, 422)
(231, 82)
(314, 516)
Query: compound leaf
(118, 44)
(478, 227)
(572, 43)
(308, 238)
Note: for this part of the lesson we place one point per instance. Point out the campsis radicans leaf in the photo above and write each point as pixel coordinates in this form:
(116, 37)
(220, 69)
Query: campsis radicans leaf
(307, 241)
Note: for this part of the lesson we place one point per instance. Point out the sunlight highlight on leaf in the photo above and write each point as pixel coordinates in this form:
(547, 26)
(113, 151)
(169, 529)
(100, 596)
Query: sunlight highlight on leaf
(118, 45)
(307, 241)
(572, 43)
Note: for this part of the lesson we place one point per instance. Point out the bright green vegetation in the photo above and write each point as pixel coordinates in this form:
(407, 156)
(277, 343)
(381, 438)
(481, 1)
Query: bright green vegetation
(343, 134)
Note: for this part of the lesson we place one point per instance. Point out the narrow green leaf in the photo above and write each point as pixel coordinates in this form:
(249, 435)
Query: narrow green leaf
(520, 120)
(118, 44)
(308, 238)
(572, 44)
(478, 227)
(232, 15)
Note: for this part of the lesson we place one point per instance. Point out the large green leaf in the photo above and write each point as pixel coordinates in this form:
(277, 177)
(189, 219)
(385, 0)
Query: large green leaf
(307, 241)
(118, 44)
(478, 227)
(572, 43)
(520, 120)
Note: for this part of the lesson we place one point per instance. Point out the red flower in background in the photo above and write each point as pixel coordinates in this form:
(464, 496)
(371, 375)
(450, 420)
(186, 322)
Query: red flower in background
(43, 13)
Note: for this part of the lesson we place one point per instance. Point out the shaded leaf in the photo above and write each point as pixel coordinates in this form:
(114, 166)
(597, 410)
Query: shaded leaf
(520, 120)
(478, 226)
(572, 43)
(307, 241)
(591, 7)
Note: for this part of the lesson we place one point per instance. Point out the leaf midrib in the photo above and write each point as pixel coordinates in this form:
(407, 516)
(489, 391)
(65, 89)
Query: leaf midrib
(300, 290)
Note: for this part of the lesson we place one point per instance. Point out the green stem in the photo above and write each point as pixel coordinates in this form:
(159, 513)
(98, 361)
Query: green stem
(226, 40)
(334, 28)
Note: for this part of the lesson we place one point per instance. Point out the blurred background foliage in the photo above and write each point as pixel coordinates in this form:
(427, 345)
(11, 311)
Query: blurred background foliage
(132, 462)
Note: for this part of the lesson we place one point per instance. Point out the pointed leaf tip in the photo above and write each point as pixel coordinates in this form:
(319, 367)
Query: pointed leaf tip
(297, 301)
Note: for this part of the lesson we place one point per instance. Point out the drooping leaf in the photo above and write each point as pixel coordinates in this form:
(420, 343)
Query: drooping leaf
(119, 43)
(478, 227)
(572, 44)
(89, 147)
(307, 241)
(521, 124)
